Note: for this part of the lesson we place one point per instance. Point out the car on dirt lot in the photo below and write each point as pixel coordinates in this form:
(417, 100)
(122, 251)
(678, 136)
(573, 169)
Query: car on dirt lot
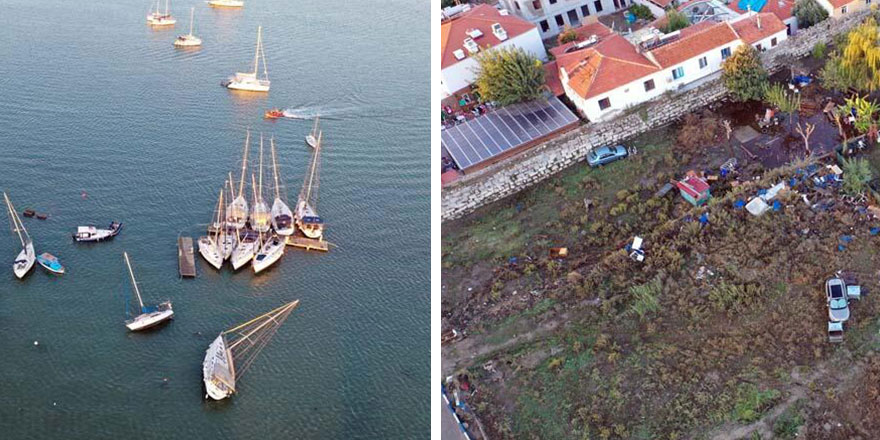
(838, 303)
(604, 155)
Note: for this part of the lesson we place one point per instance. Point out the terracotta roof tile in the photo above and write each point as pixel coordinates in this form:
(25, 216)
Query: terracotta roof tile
(748, 30)
(482, 17)
(611, 63)
(551, 74)
(694, 40)
(583, 33)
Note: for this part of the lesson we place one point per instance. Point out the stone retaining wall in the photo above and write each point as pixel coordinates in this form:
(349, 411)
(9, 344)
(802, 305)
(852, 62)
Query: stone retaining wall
(536, 164)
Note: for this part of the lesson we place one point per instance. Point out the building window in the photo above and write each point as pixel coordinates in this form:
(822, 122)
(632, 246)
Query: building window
(552, 2)
(604, 103)
(649, 85)
(773, 42)
(573, 17)
(536, 5)
(545, 26)
(559, 21)
(585, 10)
(703, 63)
(843, 10)
(725, 53)
(517, 6)
(867, 2)
(758, 46)
(597, 5)
(788, 29)
(678, 72)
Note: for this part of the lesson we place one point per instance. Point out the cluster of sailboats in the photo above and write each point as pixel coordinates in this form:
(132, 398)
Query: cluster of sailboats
(250, 231)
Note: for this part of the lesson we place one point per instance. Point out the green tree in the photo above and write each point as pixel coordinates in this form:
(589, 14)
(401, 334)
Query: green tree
(448, 3)
(567, 36)
(509, 75)
(857, 63)
(808, 13)
(789, 103)
(856, 175)
(865, 112)
(743, 74)
(641, 11)
(675, 20)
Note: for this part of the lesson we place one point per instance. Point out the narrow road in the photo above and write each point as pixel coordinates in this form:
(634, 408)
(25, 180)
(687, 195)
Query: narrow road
(449, 429)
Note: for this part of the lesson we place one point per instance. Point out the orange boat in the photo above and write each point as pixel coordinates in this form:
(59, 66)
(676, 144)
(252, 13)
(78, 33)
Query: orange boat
(273, 114)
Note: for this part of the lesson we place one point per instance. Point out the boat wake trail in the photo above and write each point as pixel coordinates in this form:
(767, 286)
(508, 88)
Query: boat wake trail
(324, 112)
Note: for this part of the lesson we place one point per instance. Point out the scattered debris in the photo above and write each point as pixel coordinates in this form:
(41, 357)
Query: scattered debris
(559, 252)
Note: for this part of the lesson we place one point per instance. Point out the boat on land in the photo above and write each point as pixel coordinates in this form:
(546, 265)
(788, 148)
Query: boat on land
(210, 246)
(92, 233)
(250, 81)
(275, 113)
(312, 138)
(25, 259)
(282, 216)
(50, 263)
(149, 316)
(261, 218)
(237, 211)
(188, 40)
(307, 219)
(233, 352)
(156, 18)
(226, 3)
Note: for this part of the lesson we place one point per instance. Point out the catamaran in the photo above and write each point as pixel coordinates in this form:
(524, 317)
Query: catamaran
(149, 316)
(261, 217)
(307, 219)
(210, 247)
(312, 138)
(225, 3)
(282, 217)
(25, 259)
(156, 18)
(237, 211)
(249, 81)
(188, 40)
(234, 351)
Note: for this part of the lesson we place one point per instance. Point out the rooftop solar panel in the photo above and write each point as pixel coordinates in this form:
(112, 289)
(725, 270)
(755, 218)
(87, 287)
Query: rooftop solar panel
(504, 129)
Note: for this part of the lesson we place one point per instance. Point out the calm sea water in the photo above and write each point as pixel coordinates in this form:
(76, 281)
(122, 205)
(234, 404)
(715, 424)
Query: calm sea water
(92, 99)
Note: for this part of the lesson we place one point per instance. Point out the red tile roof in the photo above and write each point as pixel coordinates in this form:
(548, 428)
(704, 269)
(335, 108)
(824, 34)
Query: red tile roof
(780, 8)
(694, 40)
(838, 3)
(605, 66)
(662, 3)
(748, 30)
(482, 17)
(583, 33)
(693, 186)
(551, 75)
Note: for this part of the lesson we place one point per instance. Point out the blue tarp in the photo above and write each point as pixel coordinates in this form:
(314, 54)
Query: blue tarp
(739, 204)
(756, 5)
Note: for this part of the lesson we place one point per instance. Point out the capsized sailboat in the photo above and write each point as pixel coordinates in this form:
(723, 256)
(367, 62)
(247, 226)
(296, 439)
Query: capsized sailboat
(25, 259)
(231, 354)
(312, 138)
(237, 211)
(188, 40)
(282, 216)
(249, 81)
(156, 18)
(307, 219)
(149, 316)
(261, 218)
(210, 246)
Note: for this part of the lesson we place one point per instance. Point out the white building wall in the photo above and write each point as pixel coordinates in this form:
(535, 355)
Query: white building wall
(545, 17)
(463, 73)
(767, 43)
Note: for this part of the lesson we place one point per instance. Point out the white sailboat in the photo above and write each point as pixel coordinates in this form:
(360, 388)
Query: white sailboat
(237, 211)
(312, 138)
(246, 247)
(261, 217)
(282, 216)
(249, 81)
(188, 40)
(226, 3)
(156, 18)
(24, 261)
(227, 234)
(307, 219)
(149, 316)
(270, 252)
(209, 246)
(232, 353)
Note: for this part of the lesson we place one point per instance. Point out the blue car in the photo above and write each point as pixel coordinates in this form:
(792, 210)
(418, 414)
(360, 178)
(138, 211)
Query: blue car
(604, 155)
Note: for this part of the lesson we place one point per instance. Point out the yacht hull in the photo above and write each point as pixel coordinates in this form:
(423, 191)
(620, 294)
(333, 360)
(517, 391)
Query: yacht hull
(149, 320)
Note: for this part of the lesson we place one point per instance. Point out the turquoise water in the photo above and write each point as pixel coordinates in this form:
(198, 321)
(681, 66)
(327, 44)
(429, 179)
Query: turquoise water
(95, 101)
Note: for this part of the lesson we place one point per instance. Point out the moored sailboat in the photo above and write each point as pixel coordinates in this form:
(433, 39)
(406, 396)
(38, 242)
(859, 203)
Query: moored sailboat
(226, 3)
(270, 252)
(261, 218)
(237, 211)
(188, 40)
(282, 216)
(249, 81)
(156, 18)
(246, 247)
(25, 259)
(307, 219)
(149, 316)
(232, 353)
(312, 138)
(210, 246)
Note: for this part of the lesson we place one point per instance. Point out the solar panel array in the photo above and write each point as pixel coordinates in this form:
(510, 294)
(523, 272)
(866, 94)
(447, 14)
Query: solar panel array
(503, 129)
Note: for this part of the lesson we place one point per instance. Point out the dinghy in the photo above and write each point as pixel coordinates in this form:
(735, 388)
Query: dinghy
(25, 259)
(50, 263)
(149, 316)
(91, 233)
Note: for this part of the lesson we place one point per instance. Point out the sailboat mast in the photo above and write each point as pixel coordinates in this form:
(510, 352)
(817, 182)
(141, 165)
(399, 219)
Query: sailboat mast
(191, 12)
(315, 128)
(17, 226)
(219, 224)
(257, 52)
(166, 7)
(271, 318)
(137, 291)
(275, 168)
(314, 167)
(260, 187)
(247, 141)
(231, 187)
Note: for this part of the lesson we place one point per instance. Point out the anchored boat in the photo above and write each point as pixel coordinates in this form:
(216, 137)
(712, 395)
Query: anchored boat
(307, 219)
(261, 217)
(232, 353)
(270, 252)
(149, 316)
(249, 81)
(50, 263)
(312, 138)
(225, 3)
(156, 18)
(210, 247)
(188, 40)
(246, 247)
(24, 261)
(237, 211)
(282, 216)
(92, 233)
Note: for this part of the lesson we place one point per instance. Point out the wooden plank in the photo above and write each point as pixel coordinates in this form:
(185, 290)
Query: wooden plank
(185, 257)
(308, 244)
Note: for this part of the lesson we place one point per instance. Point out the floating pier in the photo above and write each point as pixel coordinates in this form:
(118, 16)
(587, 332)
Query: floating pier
(309, 244)
(185, 257)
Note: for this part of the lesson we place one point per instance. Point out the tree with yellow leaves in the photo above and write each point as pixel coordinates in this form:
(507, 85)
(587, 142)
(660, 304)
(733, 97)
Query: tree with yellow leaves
(857, 63)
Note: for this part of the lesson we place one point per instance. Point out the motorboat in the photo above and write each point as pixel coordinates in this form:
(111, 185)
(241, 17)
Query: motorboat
(93, 233)
(50, 263)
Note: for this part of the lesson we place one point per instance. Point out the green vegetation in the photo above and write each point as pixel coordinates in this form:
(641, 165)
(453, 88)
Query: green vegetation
(788, 424)
(819, 50)
(645, 298)
(751, 402)
(856, 175)
(567, 36)
(778, 96)
(641, 12)
(857, 63)
(808, 13)
(675, 20)
(743, 74)
(509, 75)
(865, 112)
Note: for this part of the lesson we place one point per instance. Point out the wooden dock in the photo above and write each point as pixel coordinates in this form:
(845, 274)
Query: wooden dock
(185, 258)
(309, 244)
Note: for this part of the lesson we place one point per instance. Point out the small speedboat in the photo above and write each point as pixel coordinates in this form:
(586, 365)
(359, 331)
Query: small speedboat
(92, 233)
(50, 263)
(274, 113)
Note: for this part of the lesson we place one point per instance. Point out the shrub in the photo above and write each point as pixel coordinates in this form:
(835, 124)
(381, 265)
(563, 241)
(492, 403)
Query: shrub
(743, 74)
(509, 75)
(698, 130)
(675, 20)
(645, 298)
(819, 50)
(856, 175)
(808, 13)
(751, 402)
(567, 36)
(641, 11)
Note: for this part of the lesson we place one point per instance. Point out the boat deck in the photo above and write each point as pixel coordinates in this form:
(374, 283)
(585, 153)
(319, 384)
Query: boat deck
(185, 257)
(309, 244)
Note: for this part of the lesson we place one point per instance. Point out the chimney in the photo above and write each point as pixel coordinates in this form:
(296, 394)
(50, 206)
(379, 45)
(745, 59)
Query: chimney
(759, 21)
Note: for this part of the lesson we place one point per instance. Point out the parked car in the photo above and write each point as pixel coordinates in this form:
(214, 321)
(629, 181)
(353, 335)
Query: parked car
(606, 154)
(838, 303)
